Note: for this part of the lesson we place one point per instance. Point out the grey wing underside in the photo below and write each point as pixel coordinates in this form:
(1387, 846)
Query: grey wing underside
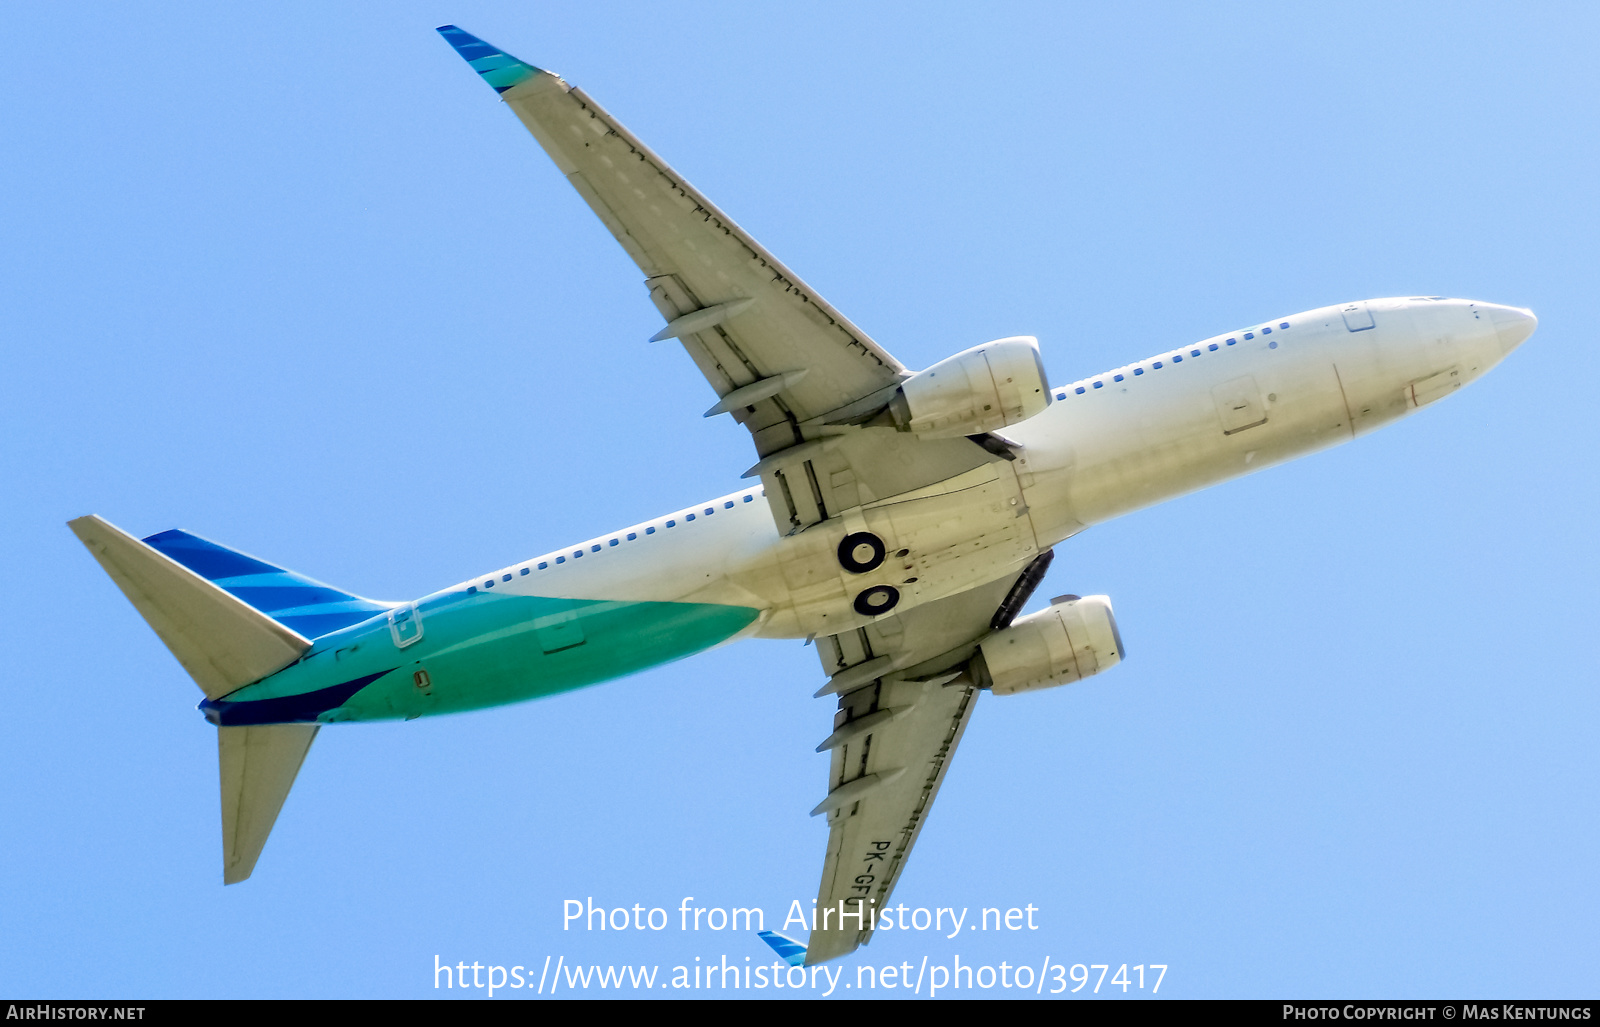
(784, 363)
(899, 732)
(769, 325)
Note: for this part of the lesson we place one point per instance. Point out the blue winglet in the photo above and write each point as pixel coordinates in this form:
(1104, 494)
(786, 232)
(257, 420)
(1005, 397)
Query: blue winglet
(788, 950)
(497, 67)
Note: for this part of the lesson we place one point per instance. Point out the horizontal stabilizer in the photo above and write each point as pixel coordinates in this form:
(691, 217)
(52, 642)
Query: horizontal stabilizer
(222, 642)
(258, 764)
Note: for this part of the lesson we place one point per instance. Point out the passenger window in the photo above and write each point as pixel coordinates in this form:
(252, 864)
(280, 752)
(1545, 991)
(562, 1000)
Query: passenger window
(594, 549)
(1232, 341)
(650, 531)
(728, 505)
(1138, 370)
(1158, 363)
(489, 583)
(577, 554)
(672, 524)
(544, 566)
(1177, 358)
(633, 536)
(748, 498)
(1194, 353)
(1249, 335)
(523, 571)
(1212, 347)
(505, 577)
(472, 589)
(613, 542)
(1099, 385)
(1266, 331)
(1080, 390)
(1285, 324)
(561, 559)
(690, 517)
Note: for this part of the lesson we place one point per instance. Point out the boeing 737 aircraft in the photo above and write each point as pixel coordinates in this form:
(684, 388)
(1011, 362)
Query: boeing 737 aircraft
(900, 519)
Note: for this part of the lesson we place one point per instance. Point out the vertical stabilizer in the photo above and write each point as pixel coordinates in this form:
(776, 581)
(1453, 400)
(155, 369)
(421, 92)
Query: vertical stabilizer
(258, 765)
(307, 607)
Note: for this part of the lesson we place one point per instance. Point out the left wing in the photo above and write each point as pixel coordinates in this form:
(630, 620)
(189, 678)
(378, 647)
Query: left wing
(905, 701)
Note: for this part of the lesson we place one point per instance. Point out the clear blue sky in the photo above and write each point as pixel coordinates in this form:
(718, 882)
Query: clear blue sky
(290, 277)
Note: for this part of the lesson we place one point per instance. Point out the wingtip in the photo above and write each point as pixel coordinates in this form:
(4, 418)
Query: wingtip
(494, 65)
(787, 949)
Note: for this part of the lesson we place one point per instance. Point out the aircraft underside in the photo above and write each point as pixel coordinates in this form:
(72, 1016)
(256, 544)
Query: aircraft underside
(901, 520)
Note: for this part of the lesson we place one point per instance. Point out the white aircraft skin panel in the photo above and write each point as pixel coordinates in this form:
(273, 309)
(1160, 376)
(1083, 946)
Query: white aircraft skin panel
(685, 556)
(1159, 432)
(1153, 436)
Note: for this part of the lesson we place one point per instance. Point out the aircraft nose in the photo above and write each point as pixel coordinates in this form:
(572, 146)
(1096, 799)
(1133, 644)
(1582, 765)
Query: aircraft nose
(1513, 325)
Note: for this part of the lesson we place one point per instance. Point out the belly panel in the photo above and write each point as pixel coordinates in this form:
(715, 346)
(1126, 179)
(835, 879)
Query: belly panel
(479, 650)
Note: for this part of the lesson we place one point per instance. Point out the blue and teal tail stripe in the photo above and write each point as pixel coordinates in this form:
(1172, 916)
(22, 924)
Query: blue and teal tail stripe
(298, 603)
(497, 67)
(788, 950)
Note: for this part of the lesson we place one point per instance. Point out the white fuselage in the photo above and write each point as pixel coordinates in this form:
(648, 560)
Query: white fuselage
(1110, 444)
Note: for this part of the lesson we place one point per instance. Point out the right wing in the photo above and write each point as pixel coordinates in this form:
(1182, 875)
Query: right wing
(894, 735)
(781, 359)
(774, 351)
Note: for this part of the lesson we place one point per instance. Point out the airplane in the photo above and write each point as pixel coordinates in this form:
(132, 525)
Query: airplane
(899, 520)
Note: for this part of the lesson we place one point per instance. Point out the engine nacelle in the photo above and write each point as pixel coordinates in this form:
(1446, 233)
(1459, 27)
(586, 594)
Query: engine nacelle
(1072, 640)
(978, 390)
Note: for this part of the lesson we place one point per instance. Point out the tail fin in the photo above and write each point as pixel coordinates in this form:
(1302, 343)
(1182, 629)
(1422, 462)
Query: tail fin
(258, 766)
(225, 641)
(293, 600)
(221, 641)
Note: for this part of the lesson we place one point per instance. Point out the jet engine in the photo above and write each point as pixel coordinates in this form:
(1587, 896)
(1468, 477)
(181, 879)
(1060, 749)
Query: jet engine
(977, 390)
(1072, 640)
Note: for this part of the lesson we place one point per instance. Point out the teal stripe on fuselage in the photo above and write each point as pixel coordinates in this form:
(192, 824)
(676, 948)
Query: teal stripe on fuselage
(481, 650)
